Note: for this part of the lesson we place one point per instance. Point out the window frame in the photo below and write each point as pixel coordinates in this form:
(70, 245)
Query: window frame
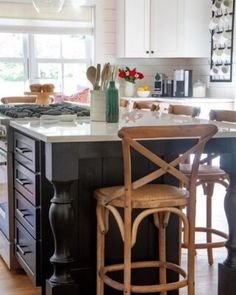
(30, 61)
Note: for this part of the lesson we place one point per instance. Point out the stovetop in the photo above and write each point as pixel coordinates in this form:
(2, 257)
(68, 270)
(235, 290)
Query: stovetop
(36, 111)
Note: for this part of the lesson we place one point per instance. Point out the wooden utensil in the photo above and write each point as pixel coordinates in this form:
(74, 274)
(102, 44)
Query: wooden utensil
(91, 75)
(103, 76)
(98, 76)
(107, 76)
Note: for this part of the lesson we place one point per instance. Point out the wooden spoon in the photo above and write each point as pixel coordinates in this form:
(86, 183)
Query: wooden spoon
(91, 75)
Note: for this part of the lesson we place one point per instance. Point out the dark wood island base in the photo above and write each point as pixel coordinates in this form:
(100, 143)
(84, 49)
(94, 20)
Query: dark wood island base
(226, 280)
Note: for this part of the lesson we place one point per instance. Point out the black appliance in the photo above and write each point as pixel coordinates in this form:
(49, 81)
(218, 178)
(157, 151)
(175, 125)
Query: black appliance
(183, 83)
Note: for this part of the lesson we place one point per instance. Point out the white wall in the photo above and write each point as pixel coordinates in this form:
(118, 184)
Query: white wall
(105, 51)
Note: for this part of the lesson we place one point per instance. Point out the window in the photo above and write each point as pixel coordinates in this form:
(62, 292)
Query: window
(58, 59)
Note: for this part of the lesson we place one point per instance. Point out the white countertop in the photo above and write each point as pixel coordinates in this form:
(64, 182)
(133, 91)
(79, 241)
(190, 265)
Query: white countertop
(83, 130)
(182, 99)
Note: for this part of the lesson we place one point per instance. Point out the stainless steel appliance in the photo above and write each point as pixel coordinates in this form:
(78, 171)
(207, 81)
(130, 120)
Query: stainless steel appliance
(183, 83)
(160, 85)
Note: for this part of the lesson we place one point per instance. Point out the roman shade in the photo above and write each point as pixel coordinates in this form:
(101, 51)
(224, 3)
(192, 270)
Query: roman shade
(21, 16)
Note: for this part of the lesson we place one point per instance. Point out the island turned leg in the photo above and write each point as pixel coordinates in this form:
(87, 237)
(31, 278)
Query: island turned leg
(61, 216)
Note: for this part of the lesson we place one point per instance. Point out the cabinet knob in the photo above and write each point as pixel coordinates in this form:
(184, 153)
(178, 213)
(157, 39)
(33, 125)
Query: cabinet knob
(152, 51)
(147, 51)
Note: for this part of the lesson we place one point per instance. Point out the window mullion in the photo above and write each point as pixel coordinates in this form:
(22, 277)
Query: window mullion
(33, 65)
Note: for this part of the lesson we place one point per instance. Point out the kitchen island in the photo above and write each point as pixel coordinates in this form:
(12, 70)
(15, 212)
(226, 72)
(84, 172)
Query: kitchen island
(80, 156)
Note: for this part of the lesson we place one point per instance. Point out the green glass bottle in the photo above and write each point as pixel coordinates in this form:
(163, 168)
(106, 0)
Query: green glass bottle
(112, 104)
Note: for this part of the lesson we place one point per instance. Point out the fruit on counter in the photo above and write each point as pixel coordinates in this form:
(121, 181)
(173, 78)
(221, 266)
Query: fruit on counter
(144, 88)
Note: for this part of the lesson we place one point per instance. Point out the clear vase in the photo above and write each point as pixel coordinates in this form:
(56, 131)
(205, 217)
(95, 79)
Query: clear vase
(129, 89)
(112, 104)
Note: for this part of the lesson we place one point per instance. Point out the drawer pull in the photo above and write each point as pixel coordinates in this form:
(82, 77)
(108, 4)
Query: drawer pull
(22, 150)
(23, 212)
(23, 182)
(19, 248)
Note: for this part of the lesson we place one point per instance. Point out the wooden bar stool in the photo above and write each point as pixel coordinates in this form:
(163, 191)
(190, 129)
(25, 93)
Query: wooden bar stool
(184, 110)
(208, 176)
(159, 200)
(146, 105)
(124, 102)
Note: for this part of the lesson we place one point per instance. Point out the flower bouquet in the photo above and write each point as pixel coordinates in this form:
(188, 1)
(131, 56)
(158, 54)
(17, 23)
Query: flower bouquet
(130, 75)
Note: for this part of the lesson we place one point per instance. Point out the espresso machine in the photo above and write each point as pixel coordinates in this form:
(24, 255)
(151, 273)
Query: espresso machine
(183, 83)
(162, 86)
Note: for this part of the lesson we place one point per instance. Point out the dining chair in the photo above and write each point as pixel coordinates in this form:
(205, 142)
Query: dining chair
(146, 105)
(19, 99)
(208, 176)
(157, 200)
(184, 110)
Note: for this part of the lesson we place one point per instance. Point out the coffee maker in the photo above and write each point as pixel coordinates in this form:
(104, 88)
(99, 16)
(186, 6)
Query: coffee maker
(160, 85)
(183, 83)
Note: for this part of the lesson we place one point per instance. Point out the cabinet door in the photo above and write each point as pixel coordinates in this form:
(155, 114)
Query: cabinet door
(166, 27)
(196, 34)
(137, 25)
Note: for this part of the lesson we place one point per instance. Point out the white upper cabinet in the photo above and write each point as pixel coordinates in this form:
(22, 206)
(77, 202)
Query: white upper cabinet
(163, 28)
(196, 39)
(166, 27)
(133, 24)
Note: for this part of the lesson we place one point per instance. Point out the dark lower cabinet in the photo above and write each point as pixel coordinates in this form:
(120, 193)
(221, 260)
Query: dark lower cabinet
(27, 252)
(32, 193)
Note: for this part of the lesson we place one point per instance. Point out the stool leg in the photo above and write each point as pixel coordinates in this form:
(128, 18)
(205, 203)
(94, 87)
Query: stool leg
(100, 259)
(162, 251)
(191, 249)
(210, 189)
(127, 251)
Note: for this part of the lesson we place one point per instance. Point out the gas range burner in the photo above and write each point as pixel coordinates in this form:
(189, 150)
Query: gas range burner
(36, 111)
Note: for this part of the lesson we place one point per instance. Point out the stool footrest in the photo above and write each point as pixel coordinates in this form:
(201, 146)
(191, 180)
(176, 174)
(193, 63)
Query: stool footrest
(147, 288)
(210, 244)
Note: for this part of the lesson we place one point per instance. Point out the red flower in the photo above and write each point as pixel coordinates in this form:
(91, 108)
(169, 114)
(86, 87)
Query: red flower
(132, 73)
(140, 76)
(122, 74)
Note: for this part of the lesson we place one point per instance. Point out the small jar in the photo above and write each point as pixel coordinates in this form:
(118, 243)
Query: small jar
(112, 104)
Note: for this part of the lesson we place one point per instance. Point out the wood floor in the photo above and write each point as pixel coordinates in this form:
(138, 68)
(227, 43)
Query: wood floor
(15, 283)
(206, 276)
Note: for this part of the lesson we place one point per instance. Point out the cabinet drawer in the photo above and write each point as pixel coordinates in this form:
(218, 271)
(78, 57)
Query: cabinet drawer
(27, 214)
(27, 253)
(27, 183)
(26, 149)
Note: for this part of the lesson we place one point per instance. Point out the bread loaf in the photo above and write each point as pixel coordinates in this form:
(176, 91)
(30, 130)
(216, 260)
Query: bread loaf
(35, 87)
(48, 87)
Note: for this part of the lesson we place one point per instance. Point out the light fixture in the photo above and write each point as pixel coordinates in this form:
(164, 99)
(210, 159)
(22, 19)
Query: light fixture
(48, 6)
